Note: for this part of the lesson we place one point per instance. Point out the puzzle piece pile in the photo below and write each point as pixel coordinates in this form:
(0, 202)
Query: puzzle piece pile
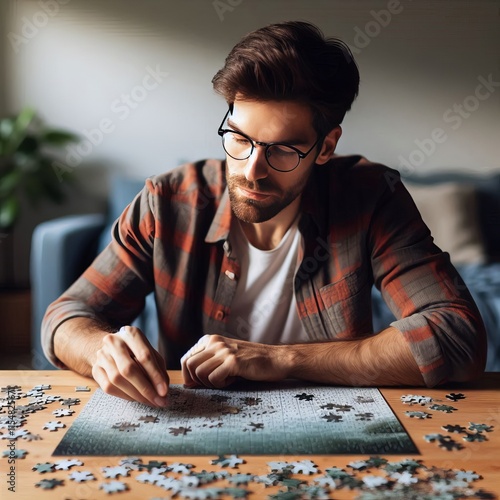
(473, 432)
(372, 478)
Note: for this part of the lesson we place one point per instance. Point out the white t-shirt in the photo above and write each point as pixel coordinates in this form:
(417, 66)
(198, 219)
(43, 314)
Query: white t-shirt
(264, 308)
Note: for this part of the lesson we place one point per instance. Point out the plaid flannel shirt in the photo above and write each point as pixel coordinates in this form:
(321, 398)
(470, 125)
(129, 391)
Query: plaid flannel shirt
(359, 226)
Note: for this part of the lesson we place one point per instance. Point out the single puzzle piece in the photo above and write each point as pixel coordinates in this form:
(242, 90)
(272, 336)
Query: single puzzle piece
(152, 464)
(200, 493)
(454, 429)
(241, 479)
(454, 396)
(113, 487)
(31, 437)
(405, 478)
(467, 476)
(149, 419)
(358, 465)
(415, 399)
(364, 416)
(43, 468)
(82, 476)
(449, 444)
(63, 412)
(376, 462)
(49, 484)
(14, 435)
(133, 463)
(480, 427)
(54, 425)
(304, 467)
(149, 477)
(116, 471)
(20, 454)
(232, 461)
(332, 417)
(125, 426)
(431, 438)
(304, 397)
(70, 402)
(34, 393)
(82, 388)
(67, 464)
(179, 431)
(180, 468)
(42, 388)
(474, 438)
(444, 408)
(374, 481)
(418, 414)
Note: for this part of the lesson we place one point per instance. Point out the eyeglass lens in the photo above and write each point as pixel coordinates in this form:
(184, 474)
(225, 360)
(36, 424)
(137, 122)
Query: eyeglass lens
(279, 156)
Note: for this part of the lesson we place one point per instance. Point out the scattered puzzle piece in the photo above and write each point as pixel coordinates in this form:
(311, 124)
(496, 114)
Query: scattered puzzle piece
(113, 487)
(67, 464)
(54, 425)
(480, 427)
(418, 414)
(49, 484)
(475, 438)
(63, 412)
(14, 453)
(455, 397)
(43, 468)
(455, 429)
(444, 408)
(114, 472)
(232, 461)
(82, 476)
(82, 388)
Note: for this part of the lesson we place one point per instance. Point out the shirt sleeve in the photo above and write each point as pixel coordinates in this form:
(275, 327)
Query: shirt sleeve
(113, 289)
(433, 308)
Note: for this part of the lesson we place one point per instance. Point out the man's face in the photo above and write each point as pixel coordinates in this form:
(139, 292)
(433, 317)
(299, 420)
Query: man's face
(257, 192)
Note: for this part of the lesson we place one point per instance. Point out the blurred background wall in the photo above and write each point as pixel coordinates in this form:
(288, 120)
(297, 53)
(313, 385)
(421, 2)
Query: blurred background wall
(133, 79)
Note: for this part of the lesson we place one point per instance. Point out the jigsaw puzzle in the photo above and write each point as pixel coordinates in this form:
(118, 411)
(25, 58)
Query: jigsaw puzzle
(268, 420)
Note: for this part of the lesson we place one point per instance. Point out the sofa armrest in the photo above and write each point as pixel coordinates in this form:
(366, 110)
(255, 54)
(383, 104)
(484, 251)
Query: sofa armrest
(61, 249)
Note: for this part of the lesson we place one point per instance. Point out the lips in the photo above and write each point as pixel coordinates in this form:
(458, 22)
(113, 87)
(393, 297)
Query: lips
(254, 195)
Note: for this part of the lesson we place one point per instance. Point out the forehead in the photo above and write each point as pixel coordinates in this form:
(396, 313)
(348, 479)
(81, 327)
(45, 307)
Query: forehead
(273, 121)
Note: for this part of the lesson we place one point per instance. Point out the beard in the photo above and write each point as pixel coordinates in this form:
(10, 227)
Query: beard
(255, 211)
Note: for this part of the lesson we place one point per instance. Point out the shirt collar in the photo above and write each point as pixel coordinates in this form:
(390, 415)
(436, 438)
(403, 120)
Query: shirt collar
(219, 229)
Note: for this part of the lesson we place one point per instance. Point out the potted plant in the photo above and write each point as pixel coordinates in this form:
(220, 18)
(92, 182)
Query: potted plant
(27, 164)
(29, 173)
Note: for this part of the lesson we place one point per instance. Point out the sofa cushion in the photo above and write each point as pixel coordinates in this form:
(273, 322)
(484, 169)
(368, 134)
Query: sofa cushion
(487, 200)
(450, 211)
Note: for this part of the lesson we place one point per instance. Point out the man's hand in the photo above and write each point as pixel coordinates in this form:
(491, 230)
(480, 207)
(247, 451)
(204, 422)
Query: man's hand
(216, 361)
(129, 367)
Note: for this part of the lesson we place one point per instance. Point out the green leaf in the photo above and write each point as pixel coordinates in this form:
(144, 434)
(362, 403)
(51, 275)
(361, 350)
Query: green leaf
(20, 130)
(9, 182)
(58, 137)
(9, 211)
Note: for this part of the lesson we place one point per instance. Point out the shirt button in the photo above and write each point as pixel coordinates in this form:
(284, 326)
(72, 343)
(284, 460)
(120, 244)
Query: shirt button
(219, 314)
(229, 274)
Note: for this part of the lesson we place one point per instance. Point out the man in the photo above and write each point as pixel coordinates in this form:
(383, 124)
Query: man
(262, 265)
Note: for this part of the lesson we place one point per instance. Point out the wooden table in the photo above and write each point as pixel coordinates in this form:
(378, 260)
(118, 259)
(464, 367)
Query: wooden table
(482, 405)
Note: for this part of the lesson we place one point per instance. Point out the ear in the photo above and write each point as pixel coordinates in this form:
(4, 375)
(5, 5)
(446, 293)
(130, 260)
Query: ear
(329, 145)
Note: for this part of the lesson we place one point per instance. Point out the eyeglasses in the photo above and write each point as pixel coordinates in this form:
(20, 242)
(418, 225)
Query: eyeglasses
(280, 157)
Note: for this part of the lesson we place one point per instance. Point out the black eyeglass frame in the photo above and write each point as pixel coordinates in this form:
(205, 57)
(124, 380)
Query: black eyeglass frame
(266, 145)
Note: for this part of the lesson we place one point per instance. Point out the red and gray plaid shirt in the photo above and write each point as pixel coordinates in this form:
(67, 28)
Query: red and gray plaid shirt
(359, 227)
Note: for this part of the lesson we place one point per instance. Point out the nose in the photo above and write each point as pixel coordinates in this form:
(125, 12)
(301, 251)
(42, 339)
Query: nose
(256, 166)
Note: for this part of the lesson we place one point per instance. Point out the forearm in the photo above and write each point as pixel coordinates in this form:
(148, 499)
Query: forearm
(380, 360)
(76, 342)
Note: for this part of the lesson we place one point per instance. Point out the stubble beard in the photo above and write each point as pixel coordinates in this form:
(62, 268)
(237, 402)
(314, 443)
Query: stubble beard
(255, 211)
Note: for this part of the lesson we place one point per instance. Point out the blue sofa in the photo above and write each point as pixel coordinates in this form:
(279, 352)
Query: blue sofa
(62, 248)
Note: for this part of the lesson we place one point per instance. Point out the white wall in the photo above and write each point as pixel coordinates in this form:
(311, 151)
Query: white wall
(73, 60)
(428, 57)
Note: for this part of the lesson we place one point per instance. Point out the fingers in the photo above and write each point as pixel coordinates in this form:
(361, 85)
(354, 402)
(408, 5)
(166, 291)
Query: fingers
(127, 366)
(208, 363)
(147, 358)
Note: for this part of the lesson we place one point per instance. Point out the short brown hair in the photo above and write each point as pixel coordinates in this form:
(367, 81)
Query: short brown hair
(292, 61)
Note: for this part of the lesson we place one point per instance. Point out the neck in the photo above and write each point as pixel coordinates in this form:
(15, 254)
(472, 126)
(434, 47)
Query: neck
(267, 235)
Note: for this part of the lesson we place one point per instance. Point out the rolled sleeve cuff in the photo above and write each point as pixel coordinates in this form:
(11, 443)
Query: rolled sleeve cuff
(425, 348)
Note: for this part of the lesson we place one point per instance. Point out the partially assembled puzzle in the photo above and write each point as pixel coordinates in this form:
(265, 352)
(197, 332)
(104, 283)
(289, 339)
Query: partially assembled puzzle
(279, 419)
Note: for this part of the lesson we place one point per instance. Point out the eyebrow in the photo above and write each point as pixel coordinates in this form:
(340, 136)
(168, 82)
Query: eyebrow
(293, 142)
